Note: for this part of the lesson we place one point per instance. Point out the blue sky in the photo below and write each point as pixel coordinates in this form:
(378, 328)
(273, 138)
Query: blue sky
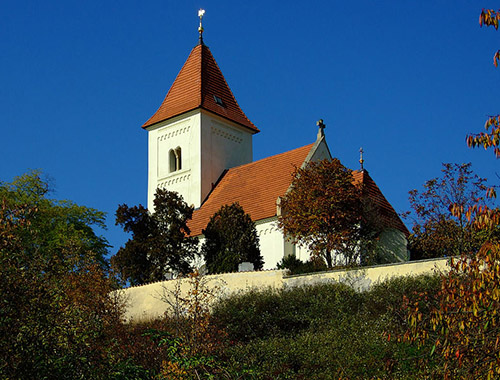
(406, 80)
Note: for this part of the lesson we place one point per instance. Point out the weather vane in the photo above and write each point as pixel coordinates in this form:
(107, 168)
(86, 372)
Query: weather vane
(201, 13)
(361, 158)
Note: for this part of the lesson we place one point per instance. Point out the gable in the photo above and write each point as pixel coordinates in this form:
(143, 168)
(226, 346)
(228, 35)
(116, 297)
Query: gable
(389, 217)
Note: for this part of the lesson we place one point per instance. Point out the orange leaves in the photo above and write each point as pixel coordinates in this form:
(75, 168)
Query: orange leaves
(490, 138)
(466, 320)
(467, 317)
(491, 193)
(323, 209)
(489, 17)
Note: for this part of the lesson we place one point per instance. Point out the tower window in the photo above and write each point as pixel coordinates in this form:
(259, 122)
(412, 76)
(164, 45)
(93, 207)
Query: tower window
(219, 101)
(175, 159)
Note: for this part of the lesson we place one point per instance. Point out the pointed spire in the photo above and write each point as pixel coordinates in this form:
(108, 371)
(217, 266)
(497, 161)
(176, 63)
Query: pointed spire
(201, 13)
(200, 84)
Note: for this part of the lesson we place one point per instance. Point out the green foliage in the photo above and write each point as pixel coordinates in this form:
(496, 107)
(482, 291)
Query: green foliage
(270, 313)
(61, 235)
(160, 240)
(308, 332)
(57, 311)
(297, 266)
(436, 231)
(230, 239)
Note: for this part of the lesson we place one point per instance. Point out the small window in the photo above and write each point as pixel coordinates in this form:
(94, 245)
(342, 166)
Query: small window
(178, 158)
(175, 159)
(171, 161)
(219, 101)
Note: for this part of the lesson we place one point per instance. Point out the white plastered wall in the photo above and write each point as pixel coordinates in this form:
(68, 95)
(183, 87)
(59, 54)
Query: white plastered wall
(147, 301)
(209, 145)
(271, 241)
(181, 131)
(224, 145)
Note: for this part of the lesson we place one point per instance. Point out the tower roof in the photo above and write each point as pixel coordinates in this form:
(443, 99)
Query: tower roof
(200, 84)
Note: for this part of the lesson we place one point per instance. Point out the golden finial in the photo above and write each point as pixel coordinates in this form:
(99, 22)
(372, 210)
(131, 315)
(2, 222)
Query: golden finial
(361, 151)
(201, 13)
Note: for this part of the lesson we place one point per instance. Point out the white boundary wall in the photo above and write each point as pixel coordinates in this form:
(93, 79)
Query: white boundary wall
(147, 301)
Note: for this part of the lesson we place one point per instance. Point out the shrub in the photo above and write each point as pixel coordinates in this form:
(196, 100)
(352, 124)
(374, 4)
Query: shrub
(297, 266)
(268, 313)
(308, 332)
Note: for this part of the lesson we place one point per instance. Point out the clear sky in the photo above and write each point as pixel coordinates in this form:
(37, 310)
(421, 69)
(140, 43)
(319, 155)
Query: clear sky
(405, 80)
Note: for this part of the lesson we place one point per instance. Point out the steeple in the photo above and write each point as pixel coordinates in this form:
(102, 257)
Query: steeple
(200, 84)
(198, 132)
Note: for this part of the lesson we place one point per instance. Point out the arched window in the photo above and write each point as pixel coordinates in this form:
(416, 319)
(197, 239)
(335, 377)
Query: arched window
(175, 159)
(171, 161)
(178, 158)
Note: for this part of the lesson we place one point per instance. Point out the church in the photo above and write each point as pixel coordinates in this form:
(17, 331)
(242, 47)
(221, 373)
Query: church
(200, 145)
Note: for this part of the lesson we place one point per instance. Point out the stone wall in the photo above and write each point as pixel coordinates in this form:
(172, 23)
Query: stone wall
(149, 301)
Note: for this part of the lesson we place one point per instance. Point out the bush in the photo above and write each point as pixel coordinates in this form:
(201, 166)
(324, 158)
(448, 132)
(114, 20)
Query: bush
(308, 332)
(297, 266)
(268, 313)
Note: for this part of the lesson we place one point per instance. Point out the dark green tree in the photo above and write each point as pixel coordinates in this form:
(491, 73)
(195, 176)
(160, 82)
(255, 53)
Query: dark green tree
(436, 231)
(230, 239)
(160, 240)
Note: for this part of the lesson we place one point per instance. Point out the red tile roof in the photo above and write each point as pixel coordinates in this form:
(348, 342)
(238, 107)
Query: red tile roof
(199, 80)
(390, 218)
(255, 186)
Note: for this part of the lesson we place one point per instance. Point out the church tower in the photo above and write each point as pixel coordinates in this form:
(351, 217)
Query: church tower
(198, 132)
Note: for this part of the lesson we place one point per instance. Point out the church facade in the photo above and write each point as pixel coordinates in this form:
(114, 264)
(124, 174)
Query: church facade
(200, 145)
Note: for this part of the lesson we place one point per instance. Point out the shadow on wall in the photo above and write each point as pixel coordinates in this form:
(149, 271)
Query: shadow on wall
(392, 246)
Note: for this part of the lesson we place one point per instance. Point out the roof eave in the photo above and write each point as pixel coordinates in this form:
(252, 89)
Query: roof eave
(147, 126)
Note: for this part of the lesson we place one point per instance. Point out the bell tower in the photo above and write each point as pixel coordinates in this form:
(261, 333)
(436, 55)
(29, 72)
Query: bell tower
(198, 131)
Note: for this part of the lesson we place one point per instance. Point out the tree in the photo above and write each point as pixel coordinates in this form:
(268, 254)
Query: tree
(60, 227)
(230, 238)
(463, 326)
(160, 240)
(56, 308)
(325, 212)
(464, 323)
(436, 231)
(490, 138)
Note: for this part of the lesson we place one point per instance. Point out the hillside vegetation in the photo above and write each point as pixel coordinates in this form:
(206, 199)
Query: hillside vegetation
(326, 331)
